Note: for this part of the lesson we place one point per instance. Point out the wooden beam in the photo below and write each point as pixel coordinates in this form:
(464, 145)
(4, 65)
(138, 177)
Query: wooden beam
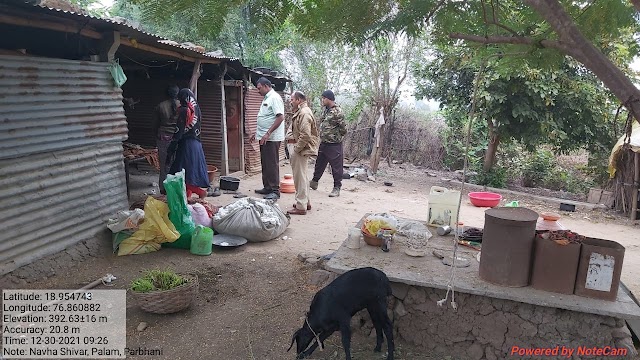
(30, 21)
(195, 75)
(108, 46)
(134, 44)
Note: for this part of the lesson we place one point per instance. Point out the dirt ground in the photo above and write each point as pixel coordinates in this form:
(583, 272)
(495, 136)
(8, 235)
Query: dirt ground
(254, 297)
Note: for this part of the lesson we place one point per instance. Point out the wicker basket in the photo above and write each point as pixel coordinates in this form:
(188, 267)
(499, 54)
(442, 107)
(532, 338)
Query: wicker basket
(169, 301)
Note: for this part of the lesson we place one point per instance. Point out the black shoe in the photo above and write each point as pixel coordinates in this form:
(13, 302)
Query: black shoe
(272, 196)
(263, 191)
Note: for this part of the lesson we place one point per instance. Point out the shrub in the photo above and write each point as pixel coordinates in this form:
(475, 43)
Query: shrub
(496, 177)
(535, 168)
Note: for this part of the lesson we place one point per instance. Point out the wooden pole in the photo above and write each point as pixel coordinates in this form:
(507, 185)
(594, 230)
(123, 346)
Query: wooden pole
(634, 187)
(377, 151)
(195, 75)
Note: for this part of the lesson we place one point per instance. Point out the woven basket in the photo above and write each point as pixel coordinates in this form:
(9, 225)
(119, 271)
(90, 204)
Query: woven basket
(169, 301)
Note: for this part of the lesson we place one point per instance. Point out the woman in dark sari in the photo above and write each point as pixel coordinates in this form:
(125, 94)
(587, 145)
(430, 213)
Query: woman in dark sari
(188, 148)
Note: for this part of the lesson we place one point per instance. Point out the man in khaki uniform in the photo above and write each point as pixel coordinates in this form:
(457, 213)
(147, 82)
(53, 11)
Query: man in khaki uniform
(305, 140)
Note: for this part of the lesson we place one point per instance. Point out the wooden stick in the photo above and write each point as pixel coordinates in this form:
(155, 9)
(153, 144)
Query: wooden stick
(634, 195)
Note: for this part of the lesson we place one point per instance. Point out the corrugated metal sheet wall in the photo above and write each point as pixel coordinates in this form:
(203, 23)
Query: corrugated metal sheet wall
(252, 163)
(62, 171)
(210, 101)
(252, 102)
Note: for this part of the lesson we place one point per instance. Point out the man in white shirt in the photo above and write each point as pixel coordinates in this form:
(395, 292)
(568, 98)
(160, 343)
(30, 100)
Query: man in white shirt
(270, 133)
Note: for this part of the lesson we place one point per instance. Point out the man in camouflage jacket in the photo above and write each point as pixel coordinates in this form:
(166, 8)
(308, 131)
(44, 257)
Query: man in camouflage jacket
(332, 131)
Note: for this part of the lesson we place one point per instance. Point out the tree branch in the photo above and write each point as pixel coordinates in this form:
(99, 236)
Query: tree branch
(516, 40)
(636, 4)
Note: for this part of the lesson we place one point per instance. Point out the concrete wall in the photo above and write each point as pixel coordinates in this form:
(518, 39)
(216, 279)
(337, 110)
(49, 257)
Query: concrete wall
(487, 328)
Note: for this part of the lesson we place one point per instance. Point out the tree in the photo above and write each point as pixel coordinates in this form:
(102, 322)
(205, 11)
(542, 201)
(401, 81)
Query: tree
(233, 34)
(531, 106)
(545, 30)
(316, 66)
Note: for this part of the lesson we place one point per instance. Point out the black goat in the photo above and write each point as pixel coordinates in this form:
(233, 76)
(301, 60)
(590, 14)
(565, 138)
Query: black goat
(333, 306)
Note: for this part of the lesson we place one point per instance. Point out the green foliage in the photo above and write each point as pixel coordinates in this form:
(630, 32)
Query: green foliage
(537, 167)
(157, 280)
(496, 177)
(236, 36)
(454, 140)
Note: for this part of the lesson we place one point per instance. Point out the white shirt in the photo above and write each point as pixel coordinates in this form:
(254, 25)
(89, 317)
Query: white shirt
(272, 106)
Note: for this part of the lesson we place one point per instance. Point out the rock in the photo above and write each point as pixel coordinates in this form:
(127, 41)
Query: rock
(475, 351)
(489, 353)
(361, 176)
(399, 290)
(320, 277)
(399, 311)
(416, 295)
(143, 325)
(621, 333)
(628, 344)
(611, 322)
(303, 256)
(431, 174)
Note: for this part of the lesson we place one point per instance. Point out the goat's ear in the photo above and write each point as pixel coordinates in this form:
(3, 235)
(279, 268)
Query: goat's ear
(293, 339)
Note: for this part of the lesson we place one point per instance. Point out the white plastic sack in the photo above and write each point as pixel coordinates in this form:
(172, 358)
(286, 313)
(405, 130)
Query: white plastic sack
(199, 214)
(126, 220)
(256, 220)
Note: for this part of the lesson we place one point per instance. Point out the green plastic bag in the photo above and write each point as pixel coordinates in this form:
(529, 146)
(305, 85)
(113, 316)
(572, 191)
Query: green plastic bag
(512, 204)
(179, 214)
(119, 78)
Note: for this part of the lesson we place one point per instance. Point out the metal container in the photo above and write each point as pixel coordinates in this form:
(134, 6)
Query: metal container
(507, 246)
(229, 183)
(554, 266)
(443, 230)
(599, 269)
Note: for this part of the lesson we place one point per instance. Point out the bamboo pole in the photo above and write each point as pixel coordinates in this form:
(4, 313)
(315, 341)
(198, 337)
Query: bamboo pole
(634, 187)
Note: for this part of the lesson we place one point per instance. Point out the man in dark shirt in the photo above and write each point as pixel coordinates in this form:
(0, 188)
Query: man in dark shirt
(164, 126)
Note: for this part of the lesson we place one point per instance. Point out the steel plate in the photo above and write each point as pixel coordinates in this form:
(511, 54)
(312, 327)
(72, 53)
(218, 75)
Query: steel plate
(225, 240)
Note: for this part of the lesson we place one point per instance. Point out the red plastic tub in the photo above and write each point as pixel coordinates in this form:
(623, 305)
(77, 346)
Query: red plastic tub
(485, 199)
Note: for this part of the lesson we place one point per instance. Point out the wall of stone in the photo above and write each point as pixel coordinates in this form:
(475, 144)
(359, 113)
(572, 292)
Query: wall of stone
(487, 328)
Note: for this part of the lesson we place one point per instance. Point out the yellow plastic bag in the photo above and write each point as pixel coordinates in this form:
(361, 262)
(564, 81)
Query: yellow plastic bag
(154, 230)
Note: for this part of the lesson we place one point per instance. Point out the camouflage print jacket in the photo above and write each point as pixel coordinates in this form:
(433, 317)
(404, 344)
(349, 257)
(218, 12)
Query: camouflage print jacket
(332, 125)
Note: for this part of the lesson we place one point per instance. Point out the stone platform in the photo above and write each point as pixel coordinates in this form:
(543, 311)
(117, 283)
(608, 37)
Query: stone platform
(490, 320)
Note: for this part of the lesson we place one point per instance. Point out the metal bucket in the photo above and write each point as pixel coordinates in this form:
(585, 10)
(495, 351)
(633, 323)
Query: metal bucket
(507, 246)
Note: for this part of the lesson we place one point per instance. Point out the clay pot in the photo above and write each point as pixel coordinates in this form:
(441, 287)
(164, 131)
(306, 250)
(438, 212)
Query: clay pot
(286, 184)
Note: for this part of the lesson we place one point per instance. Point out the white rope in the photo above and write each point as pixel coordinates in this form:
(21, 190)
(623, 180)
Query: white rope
(451, 284)
(317, 337)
